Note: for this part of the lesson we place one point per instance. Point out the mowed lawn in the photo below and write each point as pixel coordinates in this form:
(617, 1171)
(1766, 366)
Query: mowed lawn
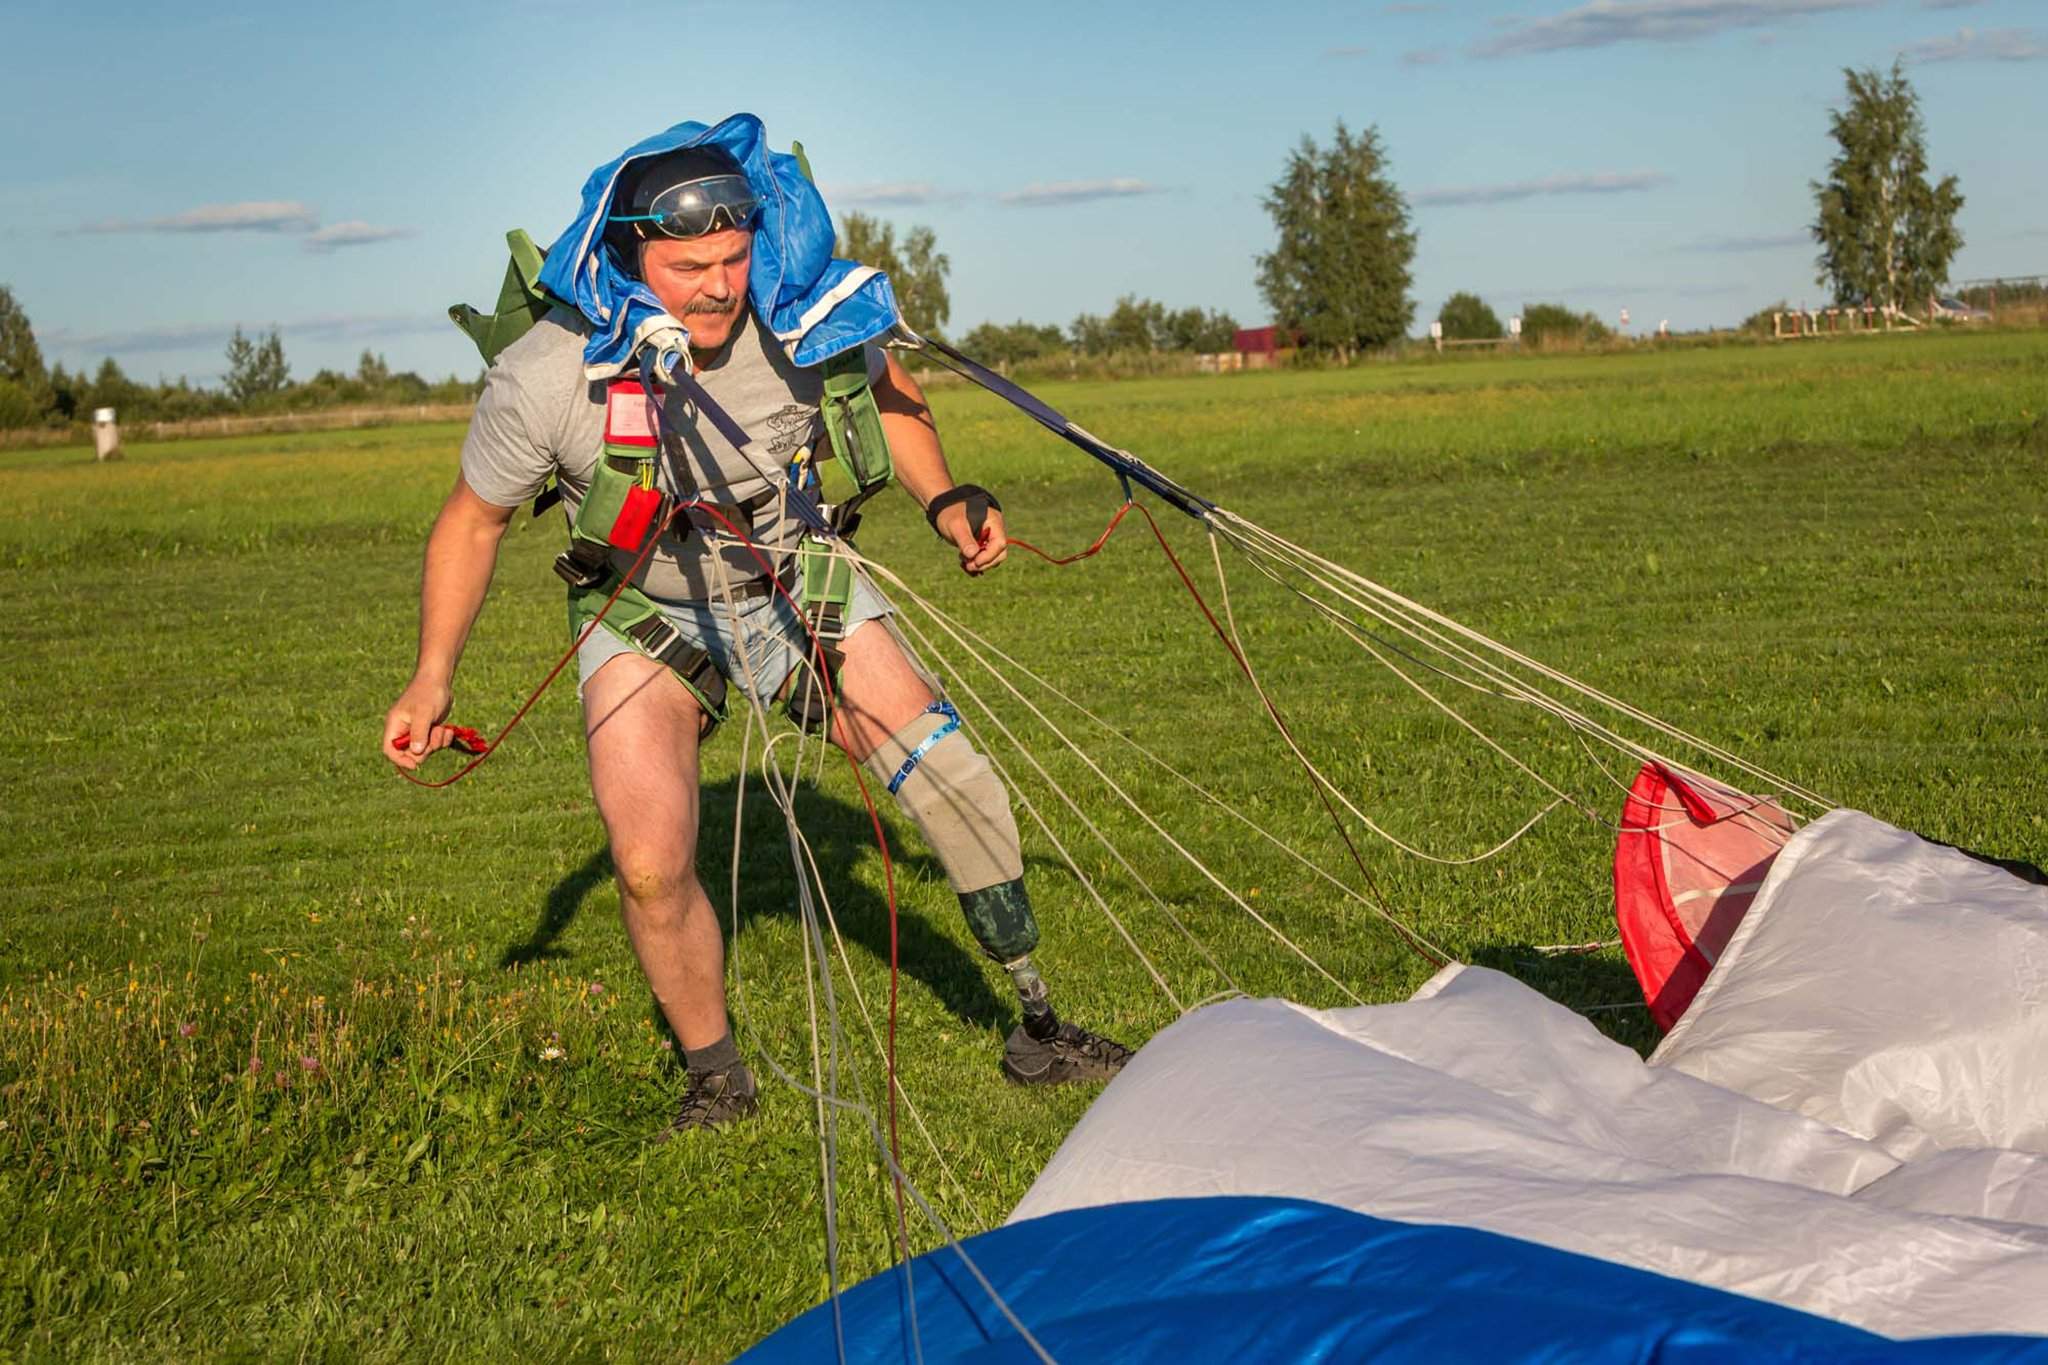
(299, 1060)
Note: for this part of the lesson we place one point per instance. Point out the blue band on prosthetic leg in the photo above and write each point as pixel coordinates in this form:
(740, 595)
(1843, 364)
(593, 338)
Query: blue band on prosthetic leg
(909, 765)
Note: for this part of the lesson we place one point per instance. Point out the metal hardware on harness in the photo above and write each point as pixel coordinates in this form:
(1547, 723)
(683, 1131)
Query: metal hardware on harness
(637, 621)
(658, 638)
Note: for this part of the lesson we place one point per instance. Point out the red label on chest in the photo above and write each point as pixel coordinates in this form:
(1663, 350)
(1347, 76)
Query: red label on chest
(629, 415)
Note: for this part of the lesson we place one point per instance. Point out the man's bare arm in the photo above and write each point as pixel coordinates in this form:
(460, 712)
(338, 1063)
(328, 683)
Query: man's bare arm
(462, 552)
(921, 468)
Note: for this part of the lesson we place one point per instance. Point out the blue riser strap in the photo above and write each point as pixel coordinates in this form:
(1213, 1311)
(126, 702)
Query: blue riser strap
(937, 708)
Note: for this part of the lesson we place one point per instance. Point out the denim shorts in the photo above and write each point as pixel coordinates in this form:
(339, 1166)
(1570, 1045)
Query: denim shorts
(774, 637)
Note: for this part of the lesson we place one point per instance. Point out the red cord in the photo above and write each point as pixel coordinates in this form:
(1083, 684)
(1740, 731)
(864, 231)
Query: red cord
(1429, 955)
(867, 798)
(1093, 550)
(487, 748)
(881, 842)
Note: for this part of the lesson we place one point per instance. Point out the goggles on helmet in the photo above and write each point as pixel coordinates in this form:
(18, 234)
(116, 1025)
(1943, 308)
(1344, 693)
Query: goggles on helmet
(696, 207)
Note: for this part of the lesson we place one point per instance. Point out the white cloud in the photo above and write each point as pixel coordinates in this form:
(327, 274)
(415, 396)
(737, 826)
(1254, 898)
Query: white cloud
(1604, 182)
(1769, 242)
(1352, 51)
(1603, 23)
(354, 232)
(180, 336)
(261, 215)
(1980, 45)
(1077, 191)
(886, 194)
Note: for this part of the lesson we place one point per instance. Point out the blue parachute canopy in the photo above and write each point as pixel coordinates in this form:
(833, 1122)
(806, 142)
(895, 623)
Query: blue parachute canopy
(1232, 1279)
(816, 305)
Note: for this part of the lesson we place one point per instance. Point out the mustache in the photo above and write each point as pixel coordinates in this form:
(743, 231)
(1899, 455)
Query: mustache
(730, 305)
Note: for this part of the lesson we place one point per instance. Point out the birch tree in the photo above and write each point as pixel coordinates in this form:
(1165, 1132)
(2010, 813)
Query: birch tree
(1886, 233)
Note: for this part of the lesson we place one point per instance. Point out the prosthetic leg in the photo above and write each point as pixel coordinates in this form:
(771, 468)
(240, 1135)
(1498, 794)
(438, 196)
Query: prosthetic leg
(951, 793)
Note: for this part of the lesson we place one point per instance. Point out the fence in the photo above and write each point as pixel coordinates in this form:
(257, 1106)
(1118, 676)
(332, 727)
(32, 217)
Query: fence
(1816, 322)
(197, 427)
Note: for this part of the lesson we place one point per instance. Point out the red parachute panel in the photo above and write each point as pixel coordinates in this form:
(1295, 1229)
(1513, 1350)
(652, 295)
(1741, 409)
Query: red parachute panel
(1688, 861)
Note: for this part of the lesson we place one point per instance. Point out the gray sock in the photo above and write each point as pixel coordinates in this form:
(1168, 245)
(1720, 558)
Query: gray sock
(719, 1056)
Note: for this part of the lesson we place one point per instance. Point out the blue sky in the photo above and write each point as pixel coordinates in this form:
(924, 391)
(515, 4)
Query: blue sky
(345, 171)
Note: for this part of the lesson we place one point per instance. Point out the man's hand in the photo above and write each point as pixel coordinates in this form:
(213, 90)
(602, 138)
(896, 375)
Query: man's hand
(416, 717)
(461, 551)
(976, 556)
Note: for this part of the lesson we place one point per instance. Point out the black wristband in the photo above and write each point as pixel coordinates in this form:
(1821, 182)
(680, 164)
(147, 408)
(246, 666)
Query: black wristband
(978, 499)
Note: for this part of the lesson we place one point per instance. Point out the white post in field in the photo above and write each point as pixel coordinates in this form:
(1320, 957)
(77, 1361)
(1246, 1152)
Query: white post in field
(106, 435)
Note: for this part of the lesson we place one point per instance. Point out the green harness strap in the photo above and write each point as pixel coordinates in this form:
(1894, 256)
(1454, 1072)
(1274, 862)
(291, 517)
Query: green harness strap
(636, 620)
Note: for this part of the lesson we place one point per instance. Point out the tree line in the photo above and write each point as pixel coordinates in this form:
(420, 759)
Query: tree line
(1336, 281)
(258, 381)
(917, 271)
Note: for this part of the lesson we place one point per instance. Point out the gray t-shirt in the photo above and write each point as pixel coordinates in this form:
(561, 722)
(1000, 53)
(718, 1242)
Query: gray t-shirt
(540, 416)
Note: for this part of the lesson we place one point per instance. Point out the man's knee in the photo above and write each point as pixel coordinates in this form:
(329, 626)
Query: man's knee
(650, 875)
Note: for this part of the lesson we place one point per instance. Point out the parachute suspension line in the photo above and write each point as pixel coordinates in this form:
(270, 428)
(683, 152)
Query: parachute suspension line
(808, 908)
(866, 1112)
(1013, 665)
(1505, 686)
(1515, 691)
(1746, 814)
(1088, 760)
(1072, 864)
(817, 878)
(1427, 950)
(1129, 469)
(1578, 725)
(823, 1083)
(1223, 585)
(1417, 612)
(1138, 810)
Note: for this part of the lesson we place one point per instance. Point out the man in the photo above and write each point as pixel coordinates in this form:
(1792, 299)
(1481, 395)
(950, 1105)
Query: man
(683, 224)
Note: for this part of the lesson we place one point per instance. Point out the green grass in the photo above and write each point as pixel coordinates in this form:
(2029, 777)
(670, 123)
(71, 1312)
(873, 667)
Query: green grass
(273, 1023)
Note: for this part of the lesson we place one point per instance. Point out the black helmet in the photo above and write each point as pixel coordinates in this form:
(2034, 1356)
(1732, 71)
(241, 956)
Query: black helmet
(684, 193)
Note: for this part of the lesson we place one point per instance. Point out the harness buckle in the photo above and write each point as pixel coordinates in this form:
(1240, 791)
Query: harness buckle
(583, 565)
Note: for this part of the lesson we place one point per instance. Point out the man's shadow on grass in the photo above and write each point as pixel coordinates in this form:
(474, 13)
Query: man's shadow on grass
(841, 837)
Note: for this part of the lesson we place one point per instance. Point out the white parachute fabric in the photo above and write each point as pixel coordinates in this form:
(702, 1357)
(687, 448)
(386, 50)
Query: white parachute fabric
(1480, 1103)
(1889, 987)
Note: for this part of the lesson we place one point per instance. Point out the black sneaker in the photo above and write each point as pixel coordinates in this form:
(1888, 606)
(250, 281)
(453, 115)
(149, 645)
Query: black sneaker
(1072, 1054)
(714, 1100)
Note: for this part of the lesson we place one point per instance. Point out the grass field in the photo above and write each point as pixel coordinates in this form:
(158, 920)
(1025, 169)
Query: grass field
(278, 1031)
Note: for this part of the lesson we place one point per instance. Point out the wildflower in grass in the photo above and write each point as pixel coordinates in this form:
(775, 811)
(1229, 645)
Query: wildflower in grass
(187, 1029)
(552, 1053)
(311, 1064)
(597, 988)
(255, 1066)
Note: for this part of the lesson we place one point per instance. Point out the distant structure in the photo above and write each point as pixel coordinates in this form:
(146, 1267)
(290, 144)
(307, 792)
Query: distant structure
(106, 435)
(1258, 346)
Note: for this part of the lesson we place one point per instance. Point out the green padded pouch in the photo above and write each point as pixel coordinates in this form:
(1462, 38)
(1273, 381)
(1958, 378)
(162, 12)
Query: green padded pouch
(853, 427)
